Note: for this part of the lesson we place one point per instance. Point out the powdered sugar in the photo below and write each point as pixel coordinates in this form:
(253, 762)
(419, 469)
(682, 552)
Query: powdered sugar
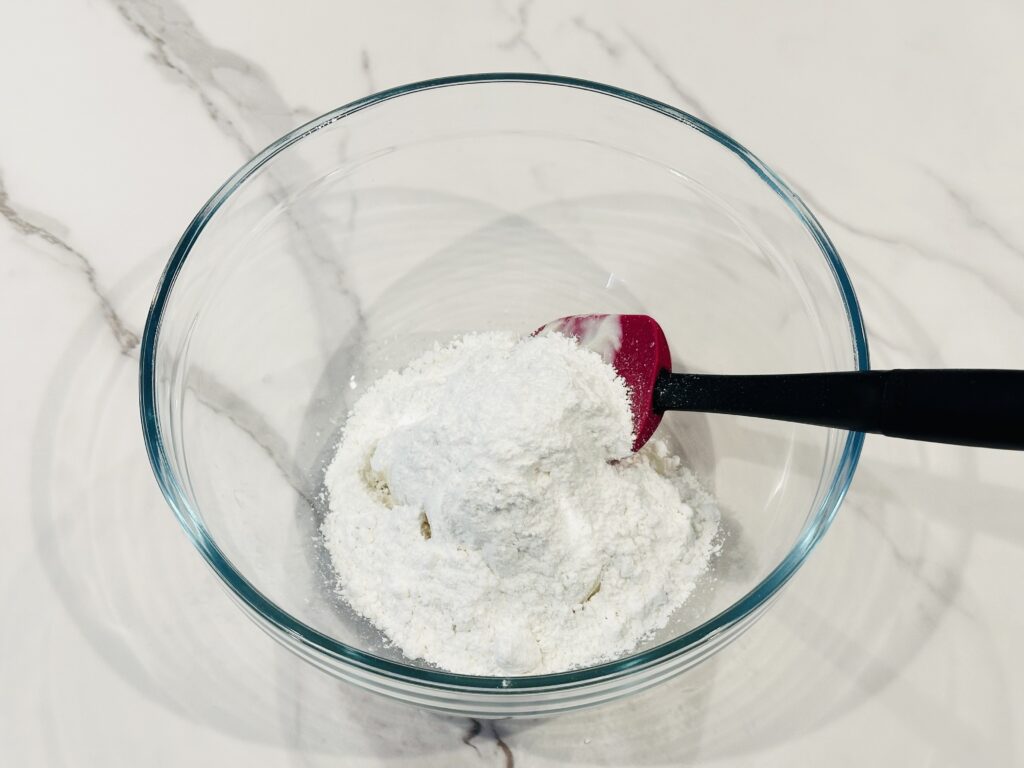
(487, 515)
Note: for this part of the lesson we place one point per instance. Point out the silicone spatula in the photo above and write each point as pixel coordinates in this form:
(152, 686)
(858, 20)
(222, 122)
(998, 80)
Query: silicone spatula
(977, 407)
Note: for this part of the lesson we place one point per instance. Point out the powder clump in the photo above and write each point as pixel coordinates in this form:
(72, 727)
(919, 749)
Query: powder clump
(488, 516)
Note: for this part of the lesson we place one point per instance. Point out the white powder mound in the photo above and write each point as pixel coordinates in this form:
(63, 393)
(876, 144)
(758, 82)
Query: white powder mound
(487, 514)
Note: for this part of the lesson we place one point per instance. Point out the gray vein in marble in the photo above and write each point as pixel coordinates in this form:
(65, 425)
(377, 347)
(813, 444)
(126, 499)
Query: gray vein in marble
(476, 727)
(879, 237)
(63, 526)
(147, 22)
(925, 251)
(243, 415)
(505, 748)
(236, 92)
(210, 392)
(521, 17)
(925, 343)
(223, 80)
(654, 61)
(303, 114)
(602, 40)
(922, 343)
(126, 340)
(367, 69)
(244, 103)
(972, 215)
(944, 591)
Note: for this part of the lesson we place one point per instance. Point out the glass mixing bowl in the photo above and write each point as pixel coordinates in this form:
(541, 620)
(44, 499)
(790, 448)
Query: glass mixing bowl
(474, 203)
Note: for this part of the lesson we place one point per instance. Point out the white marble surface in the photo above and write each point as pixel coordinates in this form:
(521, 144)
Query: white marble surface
(900, 121)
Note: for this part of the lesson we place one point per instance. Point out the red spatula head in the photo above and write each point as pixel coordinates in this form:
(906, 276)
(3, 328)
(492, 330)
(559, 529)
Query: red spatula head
(636, 347)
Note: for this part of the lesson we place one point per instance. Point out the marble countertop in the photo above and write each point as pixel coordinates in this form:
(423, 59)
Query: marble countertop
(899, 123)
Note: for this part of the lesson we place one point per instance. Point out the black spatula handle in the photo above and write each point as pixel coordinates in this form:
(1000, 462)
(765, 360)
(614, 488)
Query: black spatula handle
(979, 407)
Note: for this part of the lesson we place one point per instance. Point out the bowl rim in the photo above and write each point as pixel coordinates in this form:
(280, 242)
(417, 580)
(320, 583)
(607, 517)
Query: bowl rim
(313, 640)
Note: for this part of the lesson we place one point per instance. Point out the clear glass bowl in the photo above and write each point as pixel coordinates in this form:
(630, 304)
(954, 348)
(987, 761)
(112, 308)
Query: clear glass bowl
(473, 203)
